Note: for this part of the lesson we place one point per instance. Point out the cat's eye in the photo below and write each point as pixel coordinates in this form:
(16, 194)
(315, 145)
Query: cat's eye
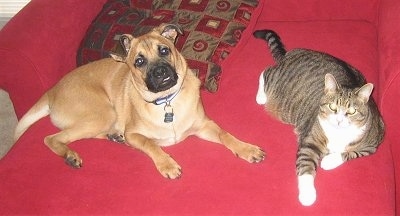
(333, 107)
(351, 111)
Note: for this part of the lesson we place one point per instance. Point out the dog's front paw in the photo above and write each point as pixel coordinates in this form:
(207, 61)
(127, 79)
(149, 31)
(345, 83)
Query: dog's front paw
(251, 153)
(72, 159)
(168, 168)
(119, 138)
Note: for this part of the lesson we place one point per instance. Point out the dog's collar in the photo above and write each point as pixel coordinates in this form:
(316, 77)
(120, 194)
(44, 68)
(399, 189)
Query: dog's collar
(166, 99)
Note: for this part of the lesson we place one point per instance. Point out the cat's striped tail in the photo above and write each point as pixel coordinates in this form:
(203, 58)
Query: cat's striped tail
(274, 43)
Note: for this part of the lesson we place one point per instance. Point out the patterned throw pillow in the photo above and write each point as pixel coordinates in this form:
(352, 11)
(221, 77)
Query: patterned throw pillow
(212, 28)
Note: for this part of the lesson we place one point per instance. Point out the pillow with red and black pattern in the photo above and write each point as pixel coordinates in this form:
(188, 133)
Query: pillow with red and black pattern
(212, 29)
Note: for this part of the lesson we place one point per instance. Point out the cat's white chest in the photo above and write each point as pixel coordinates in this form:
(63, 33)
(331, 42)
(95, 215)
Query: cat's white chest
(340, 137)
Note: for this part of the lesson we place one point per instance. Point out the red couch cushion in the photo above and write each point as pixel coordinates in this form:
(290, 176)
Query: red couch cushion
(118, 180)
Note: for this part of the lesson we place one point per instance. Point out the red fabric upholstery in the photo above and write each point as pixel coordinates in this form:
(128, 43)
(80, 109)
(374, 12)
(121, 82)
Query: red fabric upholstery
(39, 45)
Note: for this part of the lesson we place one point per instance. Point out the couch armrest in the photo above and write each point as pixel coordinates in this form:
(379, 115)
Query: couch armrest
(389, 53)
(312, 10)
(39, 45)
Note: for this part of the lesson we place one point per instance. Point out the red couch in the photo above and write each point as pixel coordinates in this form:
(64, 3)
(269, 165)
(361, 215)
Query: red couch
(39, 45)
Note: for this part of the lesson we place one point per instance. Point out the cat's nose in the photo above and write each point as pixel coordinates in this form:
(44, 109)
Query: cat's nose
(340, 118)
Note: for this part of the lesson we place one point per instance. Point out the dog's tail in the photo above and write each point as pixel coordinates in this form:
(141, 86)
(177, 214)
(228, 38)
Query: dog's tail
(274, 43)
(38, 111)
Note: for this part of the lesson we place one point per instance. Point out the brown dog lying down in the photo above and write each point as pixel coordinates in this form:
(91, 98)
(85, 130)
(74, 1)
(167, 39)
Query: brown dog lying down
(147, 98)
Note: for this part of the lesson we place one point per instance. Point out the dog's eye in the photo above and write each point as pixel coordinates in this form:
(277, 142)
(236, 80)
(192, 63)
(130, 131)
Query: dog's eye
(139, 61)
(164, 51)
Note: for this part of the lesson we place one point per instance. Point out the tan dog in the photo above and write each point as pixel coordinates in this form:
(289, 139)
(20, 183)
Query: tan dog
(147, 98)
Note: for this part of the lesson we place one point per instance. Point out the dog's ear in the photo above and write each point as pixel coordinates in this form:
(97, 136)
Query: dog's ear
(120, 51)
(170, 31)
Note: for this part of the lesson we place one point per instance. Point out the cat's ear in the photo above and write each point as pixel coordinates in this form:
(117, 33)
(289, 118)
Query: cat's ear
(331, 85)
(365, 92)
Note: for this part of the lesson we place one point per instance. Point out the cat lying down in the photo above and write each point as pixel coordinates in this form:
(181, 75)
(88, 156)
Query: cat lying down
(328, 102)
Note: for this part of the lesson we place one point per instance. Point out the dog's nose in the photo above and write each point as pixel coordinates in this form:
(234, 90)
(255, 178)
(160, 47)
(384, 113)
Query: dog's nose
(160, 72)
(161, 77)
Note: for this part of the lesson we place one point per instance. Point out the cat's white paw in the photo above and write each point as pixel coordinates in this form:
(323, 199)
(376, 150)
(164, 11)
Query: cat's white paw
(331, 161)
(307, 192)
(261, 97)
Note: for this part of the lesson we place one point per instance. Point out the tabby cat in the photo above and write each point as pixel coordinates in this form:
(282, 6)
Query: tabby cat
(328, 102)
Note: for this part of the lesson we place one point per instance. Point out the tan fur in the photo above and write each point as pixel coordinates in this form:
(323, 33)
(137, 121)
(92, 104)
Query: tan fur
(109, 96)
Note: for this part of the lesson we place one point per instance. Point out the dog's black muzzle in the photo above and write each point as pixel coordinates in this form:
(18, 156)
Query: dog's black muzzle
(161, 77)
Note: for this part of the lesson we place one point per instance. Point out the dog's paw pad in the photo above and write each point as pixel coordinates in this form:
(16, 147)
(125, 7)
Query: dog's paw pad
(72, 159)
(251, 153)
(169, 168)
(119, 138)
(258, 156)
